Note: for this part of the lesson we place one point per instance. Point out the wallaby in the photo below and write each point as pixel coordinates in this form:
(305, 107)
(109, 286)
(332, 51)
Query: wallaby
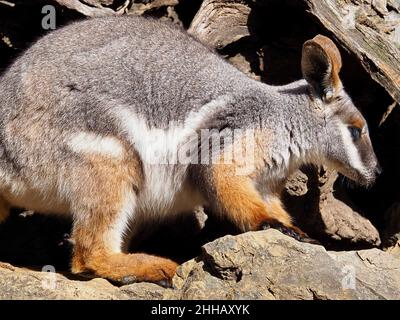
(91, 111)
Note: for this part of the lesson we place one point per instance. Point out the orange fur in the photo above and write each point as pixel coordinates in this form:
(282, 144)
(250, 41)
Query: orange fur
(357, 122)
(104, 189)
(242, 203)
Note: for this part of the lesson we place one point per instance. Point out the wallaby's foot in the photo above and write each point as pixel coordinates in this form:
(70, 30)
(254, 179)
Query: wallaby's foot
(290, 231)
(123, 269)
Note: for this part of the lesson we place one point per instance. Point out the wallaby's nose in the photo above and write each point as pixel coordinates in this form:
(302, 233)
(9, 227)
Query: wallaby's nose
(378, 170)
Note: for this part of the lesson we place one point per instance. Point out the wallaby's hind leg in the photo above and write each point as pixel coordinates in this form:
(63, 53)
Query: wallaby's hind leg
(4, 209)
(236, 197)
(103, 202)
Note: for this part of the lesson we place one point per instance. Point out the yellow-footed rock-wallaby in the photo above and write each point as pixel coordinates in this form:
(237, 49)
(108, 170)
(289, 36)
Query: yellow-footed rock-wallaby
(112, 121)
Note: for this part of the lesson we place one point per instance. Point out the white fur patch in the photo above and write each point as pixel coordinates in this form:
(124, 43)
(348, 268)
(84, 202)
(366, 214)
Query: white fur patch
(164, 178)
(116, 234)
(352, 152)
(87, 142)
(155, 145)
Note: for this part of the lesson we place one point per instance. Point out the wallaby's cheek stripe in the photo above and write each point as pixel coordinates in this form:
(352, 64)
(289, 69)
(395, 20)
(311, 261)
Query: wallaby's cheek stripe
(351, 150)
(90, 143)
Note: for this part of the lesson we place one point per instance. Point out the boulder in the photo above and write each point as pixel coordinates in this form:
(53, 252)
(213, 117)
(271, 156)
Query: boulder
(269, 265)
(255, 265)
(20, 283)
(323, 209)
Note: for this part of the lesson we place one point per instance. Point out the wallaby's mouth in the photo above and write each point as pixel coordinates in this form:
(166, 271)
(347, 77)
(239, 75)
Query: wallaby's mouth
(365, 179)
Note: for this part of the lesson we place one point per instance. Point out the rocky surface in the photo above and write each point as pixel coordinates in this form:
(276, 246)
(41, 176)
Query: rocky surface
(254, 265)
(269, 265)
(318, 210)
(19, 283)
(391, 233)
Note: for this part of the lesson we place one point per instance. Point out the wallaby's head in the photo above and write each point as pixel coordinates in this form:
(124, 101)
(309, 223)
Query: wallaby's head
(346, 142)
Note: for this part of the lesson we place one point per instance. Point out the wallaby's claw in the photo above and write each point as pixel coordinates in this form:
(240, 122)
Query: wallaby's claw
(165, 284)
(307, 239)
(292, 232)
(26, 213)
(66, 241)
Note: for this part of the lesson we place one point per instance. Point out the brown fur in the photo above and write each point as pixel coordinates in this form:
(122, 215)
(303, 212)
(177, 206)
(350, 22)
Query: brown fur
(324, 50)
(332, 51)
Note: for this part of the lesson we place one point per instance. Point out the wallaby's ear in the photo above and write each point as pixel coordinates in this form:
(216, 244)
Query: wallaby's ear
(321, 63)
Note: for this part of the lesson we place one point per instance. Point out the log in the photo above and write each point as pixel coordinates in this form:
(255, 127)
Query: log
(141, 8)
(97, 11)
(96, 8)
(220, 22)
(375, 40)
(370, 29)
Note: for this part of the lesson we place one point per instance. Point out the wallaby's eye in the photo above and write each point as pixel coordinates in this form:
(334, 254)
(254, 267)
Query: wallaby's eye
(355, 133)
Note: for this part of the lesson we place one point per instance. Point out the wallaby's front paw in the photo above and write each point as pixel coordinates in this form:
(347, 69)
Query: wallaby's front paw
(291, 231)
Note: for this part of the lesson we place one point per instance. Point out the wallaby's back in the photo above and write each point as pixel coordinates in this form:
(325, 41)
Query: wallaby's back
(155, 68)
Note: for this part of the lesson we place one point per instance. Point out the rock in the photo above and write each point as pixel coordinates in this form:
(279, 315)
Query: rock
(219, 23)
(296, 185)
(254, 265)
(17, 283)
(269, 265)
(391, 233)
(343, 223)
(395, 250)
(313, 199)
(242, 62)
(369, 29)
(148, 291)
(141, 7)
